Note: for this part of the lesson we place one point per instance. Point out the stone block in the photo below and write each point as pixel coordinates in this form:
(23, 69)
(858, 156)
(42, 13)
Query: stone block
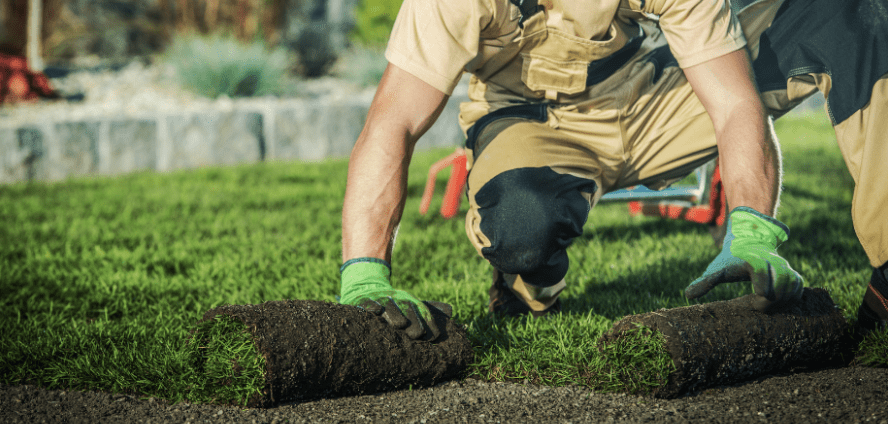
(297, 135)
(33, 148)
(317, 131)
(192, 140)
(214, 138)
(241, 138)
(16, 160)
(75, 151)
(132, 146)
(344, 122)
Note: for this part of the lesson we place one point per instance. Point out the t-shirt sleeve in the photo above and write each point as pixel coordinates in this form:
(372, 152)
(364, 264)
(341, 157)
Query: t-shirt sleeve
(696, 30)
(434, 39)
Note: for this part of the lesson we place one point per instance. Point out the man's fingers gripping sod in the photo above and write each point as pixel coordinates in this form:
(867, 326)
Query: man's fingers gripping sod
(749, 253)
(365, 284)
(415, 322)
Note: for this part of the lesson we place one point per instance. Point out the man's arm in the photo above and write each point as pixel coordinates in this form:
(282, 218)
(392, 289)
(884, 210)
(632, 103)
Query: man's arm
(402, 110)
(749, 158)
(750, 165)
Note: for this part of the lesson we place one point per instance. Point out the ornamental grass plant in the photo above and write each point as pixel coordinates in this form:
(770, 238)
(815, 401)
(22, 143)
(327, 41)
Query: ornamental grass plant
(215, 65)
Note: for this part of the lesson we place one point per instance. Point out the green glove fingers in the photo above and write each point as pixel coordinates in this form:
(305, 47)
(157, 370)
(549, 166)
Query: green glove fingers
(365, 284)
(749, 253)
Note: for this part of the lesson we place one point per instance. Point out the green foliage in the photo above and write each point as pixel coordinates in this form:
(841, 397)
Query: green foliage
(374, 21)
(215, 65)
(873, 348)
(362, 65)
(637, 361)
(566, 349)
(227, 359)
(103, 279)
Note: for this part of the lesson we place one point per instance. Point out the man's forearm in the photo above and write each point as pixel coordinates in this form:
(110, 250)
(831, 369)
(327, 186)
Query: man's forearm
(749, 160)
(748, 154)
(402, 110)
(374, 200)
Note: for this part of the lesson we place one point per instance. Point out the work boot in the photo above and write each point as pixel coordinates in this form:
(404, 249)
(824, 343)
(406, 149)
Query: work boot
(503, 301)
(873, 312)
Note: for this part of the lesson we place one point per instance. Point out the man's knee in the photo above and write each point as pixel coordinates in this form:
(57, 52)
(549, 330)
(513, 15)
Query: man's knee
(530, 216)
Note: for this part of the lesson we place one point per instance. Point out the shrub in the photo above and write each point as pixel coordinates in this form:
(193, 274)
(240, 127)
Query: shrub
(374, 20)
(362, 65)
(216, 65)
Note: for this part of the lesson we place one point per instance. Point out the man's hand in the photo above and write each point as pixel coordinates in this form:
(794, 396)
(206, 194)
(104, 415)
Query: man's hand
(749, 253)
(366, 285)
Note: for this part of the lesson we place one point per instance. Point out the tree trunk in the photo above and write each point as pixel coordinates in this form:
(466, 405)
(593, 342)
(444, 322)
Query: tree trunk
(35, 35)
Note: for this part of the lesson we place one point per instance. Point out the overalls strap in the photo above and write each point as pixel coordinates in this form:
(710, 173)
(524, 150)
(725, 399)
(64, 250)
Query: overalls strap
(528, 8)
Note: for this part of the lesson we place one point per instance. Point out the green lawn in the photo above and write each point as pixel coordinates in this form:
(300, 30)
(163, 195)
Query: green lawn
(102, 279)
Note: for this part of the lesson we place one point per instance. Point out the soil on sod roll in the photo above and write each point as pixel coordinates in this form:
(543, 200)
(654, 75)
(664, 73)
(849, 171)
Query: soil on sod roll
(727, 342)
(317, 349)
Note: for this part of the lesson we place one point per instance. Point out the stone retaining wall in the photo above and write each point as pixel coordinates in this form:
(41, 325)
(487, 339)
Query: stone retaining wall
(247, 131)
(244, 131)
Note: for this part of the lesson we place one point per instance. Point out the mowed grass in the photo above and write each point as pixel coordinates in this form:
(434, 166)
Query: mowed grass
(103, 279)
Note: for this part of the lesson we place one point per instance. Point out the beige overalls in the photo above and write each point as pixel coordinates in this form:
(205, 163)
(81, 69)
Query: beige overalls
(642, 124)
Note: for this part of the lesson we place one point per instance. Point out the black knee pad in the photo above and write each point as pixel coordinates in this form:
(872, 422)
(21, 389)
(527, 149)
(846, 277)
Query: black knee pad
(530, 216)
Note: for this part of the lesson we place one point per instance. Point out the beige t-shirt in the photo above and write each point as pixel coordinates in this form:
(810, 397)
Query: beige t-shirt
(437, 40)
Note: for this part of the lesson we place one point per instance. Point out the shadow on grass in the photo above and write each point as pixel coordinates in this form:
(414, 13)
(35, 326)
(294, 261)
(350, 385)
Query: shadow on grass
(661, 228)
(835, 204)
(824, 237)
(659, 285)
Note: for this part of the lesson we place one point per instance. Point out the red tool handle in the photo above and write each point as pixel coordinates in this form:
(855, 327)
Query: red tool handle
(455, 184)
(713, 213)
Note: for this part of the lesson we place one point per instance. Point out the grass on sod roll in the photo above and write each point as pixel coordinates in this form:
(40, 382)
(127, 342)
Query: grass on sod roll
(103, 279)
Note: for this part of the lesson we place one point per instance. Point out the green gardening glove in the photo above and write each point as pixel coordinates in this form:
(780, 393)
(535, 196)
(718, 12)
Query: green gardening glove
(749, 253)
(365, 284)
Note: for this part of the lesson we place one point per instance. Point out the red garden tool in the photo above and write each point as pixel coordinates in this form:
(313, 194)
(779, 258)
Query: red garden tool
(455, 185)
(676, 202)
(712, 213)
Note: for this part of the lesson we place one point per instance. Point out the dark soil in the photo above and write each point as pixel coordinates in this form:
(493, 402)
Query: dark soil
(318, 349)
(728, 342)
(847, 394)
(841, 395)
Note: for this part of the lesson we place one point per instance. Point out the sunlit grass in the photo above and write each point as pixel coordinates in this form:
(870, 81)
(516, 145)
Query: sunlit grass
(103, 279)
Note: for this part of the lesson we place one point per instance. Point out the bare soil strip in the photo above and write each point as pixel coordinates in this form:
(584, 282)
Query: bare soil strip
(839, 395)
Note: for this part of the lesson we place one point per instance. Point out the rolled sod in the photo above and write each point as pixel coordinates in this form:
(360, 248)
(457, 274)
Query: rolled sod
(726, 342)
(317, 349)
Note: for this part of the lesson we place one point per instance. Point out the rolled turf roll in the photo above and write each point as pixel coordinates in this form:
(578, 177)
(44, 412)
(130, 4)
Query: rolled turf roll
(317, 349)
(727, 342)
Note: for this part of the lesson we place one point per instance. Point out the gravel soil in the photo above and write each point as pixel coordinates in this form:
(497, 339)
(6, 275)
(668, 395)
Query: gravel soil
(842, 395)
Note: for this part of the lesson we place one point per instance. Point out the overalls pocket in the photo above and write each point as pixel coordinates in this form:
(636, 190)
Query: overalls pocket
(559, 62)
(541, 73)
